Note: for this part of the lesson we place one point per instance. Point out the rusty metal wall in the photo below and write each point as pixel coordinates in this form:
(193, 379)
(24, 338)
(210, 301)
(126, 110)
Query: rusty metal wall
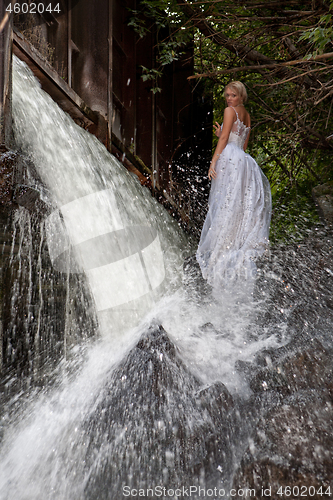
(88, 49)
(94, 50)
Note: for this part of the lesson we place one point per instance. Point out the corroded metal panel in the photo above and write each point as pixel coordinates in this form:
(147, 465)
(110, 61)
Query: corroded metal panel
(144, 102)
(89, 33)
(123, 73)
(98, 56)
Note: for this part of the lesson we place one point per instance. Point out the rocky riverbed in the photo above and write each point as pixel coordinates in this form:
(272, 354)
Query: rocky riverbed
(275, 443)
(152, 421)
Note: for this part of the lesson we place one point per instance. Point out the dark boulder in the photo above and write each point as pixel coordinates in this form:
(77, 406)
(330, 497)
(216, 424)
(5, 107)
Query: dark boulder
(323, 196)
(154, 423)
(291, 447)
(292, 442)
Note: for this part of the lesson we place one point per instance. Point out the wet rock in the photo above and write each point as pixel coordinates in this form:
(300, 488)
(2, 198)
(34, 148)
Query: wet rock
(323, 196)
(303, 369)
(18, 184)
(292, 441)
(154, 424)
(216, 399)
(29, 198)
(8, 160)
(291, 447)
(296, 281)
(157, 342)
(268, 479)
(193, 281)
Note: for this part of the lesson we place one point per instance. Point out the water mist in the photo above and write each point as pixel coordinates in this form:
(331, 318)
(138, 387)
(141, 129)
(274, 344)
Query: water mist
(163, 397)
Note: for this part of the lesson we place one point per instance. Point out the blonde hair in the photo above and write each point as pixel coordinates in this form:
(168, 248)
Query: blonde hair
(239, 88)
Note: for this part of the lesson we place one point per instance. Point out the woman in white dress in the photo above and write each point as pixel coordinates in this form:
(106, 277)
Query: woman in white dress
(236, 229)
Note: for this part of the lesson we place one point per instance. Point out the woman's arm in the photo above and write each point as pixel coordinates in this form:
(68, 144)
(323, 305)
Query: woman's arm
(228, 120)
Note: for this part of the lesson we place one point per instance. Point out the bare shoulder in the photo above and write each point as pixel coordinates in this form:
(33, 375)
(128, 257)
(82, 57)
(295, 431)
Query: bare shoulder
(229, 115)
(229, 112)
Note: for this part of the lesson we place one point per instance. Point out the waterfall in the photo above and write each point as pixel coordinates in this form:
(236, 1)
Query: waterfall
(164, 397)
(105, 223)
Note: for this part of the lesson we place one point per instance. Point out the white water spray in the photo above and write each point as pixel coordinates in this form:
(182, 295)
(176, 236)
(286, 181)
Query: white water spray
(119, 234)
(132, 253)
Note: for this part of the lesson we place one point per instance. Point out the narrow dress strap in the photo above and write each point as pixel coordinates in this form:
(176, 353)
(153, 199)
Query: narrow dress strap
(235, 112)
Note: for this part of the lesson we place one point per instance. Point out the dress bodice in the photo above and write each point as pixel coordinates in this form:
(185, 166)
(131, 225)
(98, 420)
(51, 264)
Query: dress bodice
(238, 133)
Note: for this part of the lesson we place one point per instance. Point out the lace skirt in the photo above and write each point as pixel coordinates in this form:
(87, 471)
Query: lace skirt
(236, 229)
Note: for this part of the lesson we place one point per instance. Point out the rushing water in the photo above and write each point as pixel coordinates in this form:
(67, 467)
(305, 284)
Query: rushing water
(105, 223)
(124, 412)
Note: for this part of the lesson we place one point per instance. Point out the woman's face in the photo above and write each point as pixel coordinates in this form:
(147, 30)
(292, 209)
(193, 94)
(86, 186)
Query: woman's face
(232, 97)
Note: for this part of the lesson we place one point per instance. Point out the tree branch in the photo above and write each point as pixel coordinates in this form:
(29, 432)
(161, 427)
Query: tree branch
(242, 51)
(328, 55)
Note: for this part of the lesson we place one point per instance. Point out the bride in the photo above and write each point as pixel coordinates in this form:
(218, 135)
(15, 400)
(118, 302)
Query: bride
(236, 228)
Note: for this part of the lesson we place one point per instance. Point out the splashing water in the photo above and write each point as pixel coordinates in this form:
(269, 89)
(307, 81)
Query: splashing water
(132, 253)
(125, 242)
(131, 250)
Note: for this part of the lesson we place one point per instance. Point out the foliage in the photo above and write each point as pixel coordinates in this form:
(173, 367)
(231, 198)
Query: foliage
(282, 51)
(166, 20)
(294, 214)
(322, 35)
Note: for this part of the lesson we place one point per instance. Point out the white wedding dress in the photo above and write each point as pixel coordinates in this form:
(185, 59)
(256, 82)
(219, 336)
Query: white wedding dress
(236, 229)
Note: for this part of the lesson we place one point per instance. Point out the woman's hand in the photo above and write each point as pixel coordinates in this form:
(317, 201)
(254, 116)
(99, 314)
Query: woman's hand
(228, 120)
(217, 129)
(211, 172)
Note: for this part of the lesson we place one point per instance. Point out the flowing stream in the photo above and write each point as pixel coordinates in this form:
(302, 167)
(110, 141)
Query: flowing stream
(75, 439)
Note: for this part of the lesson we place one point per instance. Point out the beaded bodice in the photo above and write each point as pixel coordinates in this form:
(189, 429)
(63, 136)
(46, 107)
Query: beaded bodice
(239, 132)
